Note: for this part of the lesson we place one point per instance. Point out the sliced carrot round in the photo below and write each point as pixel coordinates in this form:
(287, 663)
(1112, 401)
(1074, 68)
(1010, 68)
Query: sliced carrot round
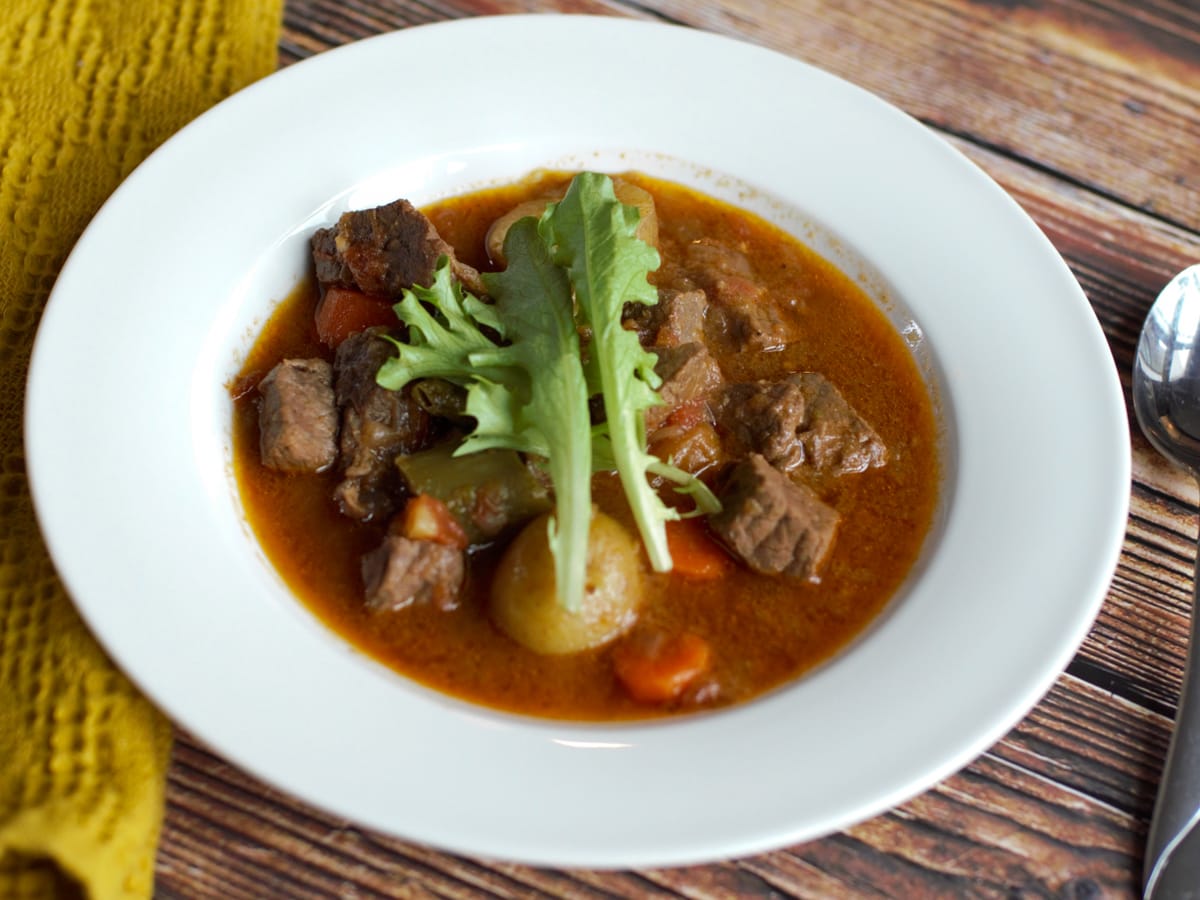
(658, 669)
(695, 553)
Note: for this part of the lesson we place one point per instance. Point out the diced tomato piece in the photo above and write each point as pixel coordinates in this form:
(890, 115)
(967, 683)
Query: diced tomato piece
(426, 518)
(343, 312)
(659, 668)
(688, 414)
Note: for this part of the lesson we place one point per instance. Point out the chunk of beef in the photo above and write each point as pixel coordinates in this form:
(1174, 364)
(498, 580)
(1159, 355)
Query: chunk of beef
(745, 318)
(741, 312)
(689, 374)
(677, 318)
(402, 572)
(801, 420)
(692, 444)
(355, 364)
(331, 267)
(377, 425)
(385, 250)
(682, 321)
(709, 260)
(775, 525)
(297, 421)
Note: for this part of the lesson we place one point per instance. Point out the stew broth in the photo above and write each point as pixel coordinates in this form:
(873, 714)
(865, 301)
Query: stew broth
(763, 630)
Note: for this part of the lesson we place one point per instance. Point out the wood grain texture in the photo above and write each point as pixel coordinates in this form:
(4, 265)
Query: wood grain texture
(1088, 113)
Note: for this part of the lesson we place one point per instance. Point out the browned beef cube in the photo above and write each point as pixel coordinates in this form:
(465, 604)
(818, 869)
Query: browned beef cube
(297, 421)
(356, 362)
(710, 260)
(801, 420)
(377, 425)
(775, 525)
(403, 572)
(677, 318)
(741, 313)
(689, 374)
(682, 322)
(745, 317)
(384, 250)
(331, 266)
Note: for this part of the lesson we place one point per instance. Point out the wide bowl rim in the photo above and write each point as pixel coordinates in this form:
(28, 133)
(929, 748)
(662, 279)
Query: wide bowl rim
(251, 713)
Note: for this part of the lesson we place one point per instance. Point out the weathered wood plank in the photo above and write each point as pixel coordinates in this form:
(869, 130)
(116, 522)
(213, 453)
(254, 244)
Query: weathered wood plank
(1037, 836)
(993, 830)
(1142, 631)
(311, 26)
(1087, 741)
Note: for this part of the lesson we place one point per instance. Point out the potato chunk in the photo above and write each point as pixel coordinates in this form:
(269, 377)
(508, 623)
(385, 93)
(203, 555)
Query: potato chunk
(524, 603)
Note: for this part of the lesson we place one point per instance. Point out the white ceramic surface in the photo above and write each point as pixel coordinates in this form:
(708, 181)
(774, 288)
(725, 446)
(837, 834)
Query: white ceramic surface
(128, 439)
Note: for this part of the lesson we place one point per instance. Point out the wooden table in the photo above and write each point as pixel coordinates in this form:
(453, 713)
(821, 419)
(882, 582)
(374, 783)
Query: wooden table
(1088, 113)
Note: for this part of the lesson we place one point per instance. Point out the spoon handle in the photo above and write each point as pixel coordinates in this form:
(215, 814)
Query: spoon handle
(1172, 865)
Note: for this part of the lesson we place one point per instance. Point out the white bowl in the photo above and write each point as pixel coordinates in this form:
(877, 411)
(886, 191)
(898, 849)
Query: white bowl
(128, 439)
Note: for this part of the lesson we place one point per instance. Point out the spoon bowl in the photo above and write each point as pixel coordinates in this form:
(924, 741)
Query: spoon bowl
(1166, 372)
(1166, 401)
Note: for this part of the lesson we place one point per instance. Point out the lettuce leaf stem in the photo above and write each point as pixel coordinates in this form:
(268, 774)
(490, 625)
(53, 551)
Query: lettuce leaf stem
(572, 270)
(592, 235)
(533, 299)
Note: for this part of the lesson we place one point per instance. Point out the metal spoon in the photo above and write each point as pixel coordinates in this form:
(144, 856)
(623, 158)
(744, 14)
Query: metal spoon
(1166, 399)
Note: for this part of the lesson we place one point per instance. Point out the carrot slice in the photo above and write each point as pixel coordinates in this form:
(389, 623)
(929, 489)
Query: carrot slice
(659, 669)
(695, 553)
(426, 518)
(343, 312)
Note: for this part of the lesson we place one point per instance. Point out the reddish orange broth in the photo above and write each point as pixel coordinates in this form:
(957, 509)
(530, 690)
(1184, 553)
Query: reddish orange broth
(761, 631)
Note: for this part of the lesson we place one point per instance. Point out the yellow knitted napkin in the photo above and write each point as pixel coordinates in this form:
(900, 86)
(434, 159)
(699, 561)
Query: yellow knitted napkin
(87, 89)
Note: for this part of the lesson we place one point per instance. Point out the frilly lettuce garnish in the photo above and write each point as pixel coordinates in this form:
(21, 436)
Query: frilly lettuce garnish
(574, 268)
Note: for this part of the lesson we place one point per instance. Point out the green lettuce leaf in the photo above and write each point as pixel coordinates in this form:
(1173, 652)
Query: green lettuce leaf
(443, 334)
(528, 390)
(533, 300)
(592, 235)
(528, 394)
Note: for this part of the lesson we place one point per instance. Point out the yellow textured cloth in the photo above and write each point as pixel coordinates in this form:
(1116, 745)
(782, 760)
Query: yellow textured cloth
(87, 89)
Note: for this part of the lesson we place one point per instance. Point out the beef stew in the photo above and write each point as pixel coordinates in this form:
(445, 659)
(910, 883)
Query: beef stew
(785, 391)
